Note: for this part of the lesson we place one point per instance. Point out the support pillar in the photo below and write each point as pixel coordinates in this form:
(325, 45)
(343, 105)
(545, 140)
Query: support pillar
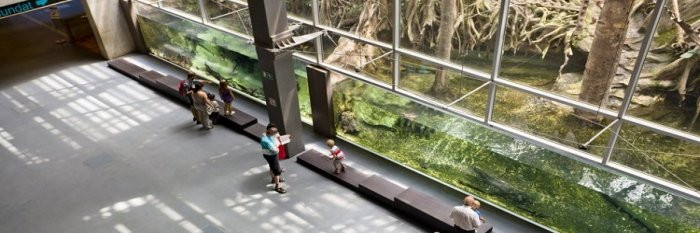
(321, 104)
(269, 21)
(110, 28)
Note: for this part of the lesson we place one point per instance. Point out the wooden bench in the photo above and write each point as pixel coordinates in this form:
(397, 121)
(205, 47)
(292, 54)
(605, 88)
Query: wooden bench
(319, 162)
(254, 131)
(425, 208)
(430, 211)
(238, 121)
(168, 85)
(149, 78)
(127, 68)
(380, 189)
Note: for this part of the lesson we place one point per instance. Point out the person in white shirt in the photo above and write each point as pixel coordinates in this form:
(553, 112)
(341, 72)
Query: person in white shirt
(465, 218)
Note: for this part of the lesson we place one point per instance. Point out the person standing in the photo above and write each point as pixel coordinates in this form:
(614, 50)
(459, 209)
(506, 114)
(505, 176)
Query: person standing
(270, 148)
(201, 103)
(226, 96)
(214, 111)
(185, 88)
(465, 218)
(337, 156)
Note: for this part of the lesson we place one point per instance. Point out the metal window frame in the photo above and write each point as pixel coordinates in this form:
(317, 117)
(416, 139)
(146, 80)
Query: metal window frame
(496, 81)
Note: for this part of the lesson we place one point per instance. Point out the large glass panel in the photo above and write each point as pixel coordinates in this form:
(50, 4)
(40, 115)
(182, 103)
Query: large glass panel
(359, 57)
(444, 85)
(550, 120)
(369, 19)
(230, 15)
(303, 90)
(549, 43)
(462, 32)
(206, 51)
(668, 91)
(190, 7)
(300, 8)
(543, 186)
(672, 159)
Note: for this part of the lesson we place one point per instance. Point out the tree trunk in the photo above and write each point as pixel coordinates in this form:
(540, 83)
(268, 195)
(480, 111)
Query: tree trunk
(680, 34)
(352, 54)
(448, 18)
(605, 52)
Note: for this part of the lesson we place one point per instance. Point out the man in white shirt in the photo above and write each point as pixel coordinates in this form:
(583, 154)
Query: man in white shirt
(465, 218)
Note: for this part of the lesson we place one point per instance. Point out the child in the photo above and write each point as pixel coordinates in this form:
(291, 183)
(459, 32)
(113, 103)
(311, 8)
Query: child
(476, 206)
(213, 110)
(226, 96)
(337, 156)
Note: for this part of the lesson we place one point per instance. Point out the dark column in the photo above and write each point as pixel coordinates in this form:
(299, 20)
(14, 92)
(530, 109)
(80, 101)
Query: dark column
(321, 103)
(269, 21)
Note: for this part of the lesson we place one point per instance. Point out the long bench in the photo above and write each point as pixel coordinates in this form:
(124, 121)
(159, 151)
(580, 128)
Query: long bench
(168, 85)
(409, 201)
(127, 68)
(320, 163)
(380, 189)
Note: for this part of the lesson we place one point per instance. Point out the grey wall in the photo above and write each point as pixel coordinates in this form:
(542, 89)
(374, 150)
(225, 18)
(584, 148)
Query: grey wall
(109, 25)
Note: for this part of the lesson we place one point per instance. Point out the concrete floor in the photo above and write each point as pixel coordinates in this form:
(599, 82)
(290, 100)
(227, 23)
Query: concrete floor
(85, 149)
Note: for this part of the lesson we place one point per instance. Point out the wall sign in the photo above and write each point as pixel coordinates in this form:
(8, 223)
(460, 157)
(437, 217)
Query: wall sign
(25, 6)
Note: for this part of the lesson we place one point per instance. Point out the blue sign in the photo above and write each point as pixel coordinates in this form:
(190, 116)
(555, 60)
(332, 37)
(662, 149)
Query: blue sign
(25, 6)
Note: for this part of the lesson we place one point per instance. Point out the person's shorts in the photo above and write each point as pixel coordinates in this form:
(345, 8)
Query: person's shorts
(274, 163)
(337, 162)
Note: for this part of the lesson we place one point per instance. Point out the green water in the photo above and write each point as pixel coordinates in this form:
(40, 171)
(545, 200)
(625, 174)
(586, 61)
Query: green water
(544, 186)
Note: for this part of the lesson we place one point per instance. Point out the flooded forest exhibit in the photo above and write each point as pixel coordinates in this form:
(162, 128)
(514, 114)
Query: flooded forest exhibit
(578, 51)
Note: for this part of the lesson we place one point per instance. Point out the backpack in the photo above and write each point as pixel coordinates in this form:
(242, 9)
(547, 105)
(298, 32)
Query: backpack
(181, 87)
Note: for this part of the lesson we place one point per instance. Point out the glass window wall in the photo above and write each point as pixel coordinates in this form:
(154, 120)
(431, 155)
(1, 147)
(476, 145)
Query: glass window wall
(534, 96)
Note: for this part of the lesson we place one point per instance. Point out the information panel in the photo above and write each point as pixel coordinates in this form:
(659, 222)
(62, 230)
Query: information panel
(25, 6)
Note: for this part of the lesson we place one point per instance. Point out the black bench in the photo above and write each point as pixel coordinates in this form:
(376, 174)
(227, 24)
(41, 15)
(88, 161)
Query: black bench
(149, 78)
(320, 163)
(238, 120)
(254, 131)
(429, 210)
(168, 85)
(380, 189)
(127, 68)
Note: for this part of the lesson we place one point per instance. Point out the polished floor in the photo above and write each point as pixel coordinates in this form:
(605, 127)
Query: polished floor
(85, 149)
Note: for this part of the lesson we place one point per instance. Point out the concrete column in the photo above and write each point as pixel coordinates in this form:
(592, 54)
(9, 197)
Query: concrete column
(320, 93)
(110, 28)
(269, 20)
(128, 7)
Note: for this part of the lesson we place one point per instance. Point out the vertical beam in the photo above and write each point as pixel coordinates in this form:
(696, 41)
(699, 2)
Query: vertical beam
(130, 11)
(203, 11)
(110, 27)
(634, 79)
(269, 20)
(497, 55)
(395, 45)
(318, 42)
(319, 80)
